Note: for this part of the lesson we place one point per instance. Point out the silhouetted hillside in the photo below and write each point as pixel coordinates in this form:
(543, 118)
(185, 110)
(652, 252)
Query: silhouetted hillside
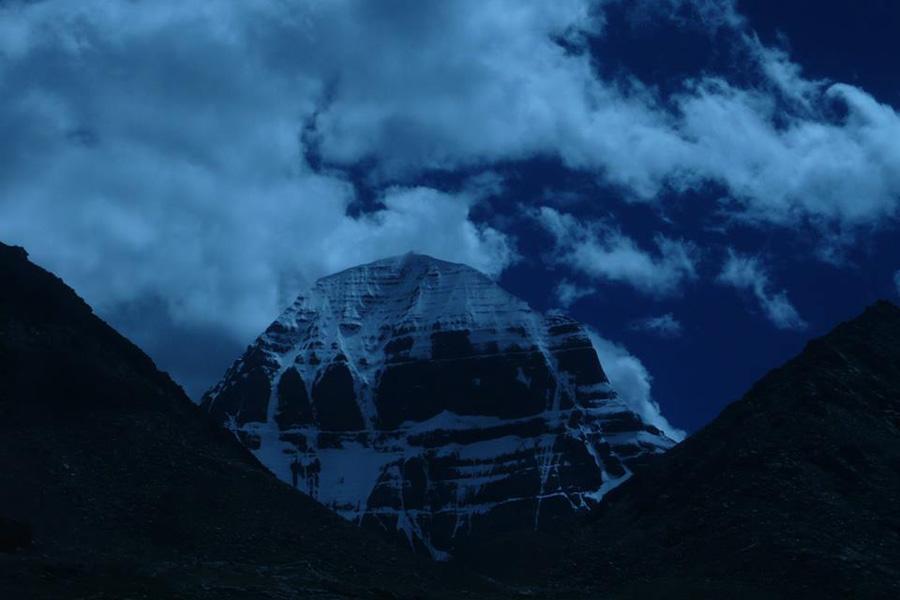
(113, 484)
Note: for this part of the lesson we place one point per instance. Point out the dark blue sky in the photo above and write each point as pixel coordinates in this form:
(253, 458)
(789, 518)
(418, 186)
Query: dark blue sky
(708, 183)
(727, 343)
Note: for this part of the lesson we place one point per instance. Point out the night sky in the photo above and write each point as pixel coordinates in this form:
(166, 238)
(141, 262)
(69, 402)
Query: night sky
(707, 183)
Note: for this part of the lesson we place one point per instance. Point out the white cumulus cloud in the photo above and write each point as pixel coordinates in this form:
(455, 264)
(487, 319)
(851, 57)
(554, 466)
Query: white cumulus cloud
(602, 251)
(747, 273)
(632, 382)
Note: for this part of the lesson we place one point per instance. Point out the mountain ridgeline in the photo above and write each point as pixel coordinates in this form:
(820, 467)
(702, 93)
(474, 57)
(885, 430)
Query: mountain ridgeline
(417, 395)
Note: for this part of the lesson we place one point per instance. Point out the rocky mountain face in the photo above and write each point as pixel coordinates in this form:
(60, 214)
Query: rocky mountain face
(792, 492)
(417, 395)
(113, 484)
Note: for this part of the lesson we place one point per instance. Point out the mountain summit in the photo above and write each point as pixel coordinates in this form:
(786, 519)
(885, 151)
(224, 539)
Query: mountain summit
(417, 394)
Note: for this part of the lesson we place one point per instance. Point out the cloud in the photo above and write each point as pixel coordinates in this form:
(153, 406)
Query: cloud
(454, 85)
(154, 151)
(665, 326)
(747, 273)
(568, 293)
(419, 219)
(202, 154)
(602, 251)
(139, 114)
(632, 383)
(490, 82)
(827, 173)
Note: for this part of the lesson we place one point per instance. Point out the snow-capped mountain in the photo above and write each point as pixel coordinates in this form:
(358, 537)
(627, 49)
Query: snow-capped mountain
(419, 395)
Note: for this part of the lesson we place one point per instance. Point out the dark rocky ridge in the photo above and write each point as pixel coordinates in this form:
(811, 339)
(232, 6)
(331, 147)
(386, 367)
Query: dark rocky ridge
(113, 484)
(792, 492)
(417, 395)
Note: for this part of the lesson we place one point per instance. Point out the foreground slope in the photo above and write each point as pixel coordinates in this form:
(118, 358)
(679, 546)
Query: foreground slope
(793, 491)
(123, 488)
(418, 395)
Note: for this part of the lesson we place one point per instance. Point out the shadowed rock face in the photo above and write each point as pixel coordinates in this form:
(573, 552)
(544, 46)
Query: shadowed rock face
(416, 394)
(113, 484)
